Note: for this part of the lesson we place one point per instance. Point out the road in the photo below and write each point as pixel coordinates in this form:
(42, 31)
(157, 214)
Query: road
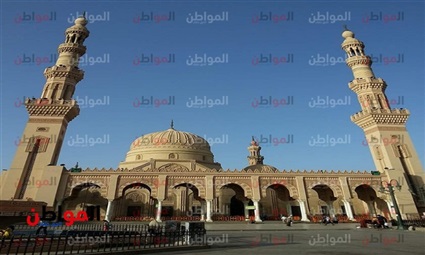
(324, 241)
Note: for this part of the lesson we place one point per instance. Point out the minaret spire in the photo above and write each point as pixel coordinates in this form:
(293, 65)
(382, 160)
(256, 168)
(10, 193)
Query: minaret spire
(389, 142)
(49, 116)
(372, 96)
(254, 157)
(172, 124)
(65, 74)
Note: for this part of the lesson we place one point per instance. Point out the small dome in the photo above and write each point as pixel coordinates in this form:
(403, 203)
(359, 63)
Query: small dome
(81, 21)
(262, 168)
(347, 34)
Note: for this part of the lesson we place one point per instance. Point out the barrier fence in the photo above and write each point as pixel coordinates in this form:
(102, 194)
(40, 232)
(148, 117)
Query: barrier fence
(87, 227)
(71, 242)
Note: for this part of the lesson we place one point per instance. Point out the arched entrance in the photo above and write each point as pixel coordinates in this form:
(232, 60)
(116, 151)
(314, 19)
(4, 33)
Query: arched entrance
(86, 197)
(237, 207)
(136, 201)
(231, 201)
(184, 201)
(368, 203)
(323, 201)
(278, 202)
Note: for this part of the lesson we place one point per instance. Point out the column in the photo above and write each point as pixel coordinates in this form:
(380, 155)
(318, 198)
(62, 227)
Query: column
(303, 211)
(158, 211)
(109, 210)
(246, 211)
(59, 204)
(348, 210)
(331, 209)
(209, 211)
(221, 209)
(202, 211)
(257, 211)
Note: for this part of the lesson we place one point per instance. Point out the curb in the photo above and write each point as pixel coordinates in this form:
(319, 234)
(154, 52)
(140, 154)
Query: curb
(294, 229)
(154, 250)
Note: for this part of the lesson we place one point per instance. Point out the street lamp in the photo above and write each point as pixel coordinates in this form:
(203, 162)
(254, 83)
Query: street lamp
(389, 187)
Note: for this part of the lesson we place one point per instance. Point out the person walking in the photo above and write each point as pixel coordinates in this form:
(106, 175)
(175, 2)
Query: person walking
(153, 228)
(106, 225)
(42, 226)
(289, 221)
(8, 232)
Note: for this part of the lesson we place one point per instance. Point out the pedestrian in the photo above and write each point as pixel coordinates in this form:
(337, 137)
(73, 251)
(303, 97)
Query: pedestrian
(327, 220)
(283, 219)
(42, 226)
(8, 232)
(381, 221)
(289, 221)
(106, 225)
(334, 219)
(153, 228)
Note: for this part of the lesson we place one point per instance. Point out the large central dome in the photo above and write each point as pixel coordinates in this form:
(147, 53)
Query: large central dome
(169, 144)
(171, 138)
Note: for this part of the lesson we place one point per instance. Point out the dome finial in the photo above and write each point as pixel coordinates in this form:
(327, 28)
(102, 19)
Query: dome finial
(172, 124)
(81, 20)
(347, 33)
(253, 142)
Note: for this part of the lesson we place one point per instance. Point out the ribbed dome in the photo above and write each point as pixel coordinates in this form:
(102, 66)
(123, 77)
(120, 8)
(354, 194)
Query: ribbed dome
(168, 145)
(262, 168)
(171, 138)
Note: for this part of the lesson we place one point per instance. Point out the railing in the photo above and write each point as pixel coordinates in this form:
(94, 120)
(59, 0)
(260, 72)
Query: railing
(86, 227)
(99, 241)
(416, 223)
(181, 218)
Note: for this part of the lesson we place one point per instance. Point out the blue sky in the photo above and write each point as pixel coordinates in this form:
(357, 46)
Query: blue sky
(233, 57)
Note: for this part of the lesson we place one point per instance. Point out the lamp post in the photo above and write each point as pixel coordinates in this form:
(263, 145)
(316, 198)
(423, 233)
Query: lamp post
(389, 187)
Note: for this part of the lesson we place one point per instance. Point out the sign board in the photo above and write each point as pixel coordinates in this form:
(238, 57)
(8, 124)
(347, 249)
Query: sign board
(250, 207)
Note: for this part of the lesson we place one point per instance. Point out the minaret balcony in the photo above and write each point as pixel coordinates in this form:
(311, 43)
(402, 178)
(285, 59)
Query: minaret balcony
(64, 72)
(49, 101)
(358, 85)
(358, 60)
(68, 109)
(73, 48)
(380, 116)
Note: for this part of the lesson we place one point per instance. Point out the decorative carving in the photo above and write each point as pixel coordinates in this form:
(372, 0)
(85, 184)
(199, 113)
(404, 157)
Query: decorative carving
(172, 168)
(33, 120)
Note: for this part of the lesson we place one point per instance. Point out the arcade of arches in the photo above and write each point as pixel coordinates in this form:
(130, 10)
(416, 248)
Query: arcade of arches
(232, 193)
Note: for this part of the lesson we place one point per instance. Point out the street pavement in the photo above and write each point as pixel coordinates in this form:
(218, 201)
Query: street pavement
(228, 238)
(274, 237)
(330, 241)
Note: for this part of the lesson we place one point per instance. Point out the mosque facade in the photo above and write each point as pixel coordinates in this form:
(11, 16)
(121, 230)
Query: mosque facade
(172, 174)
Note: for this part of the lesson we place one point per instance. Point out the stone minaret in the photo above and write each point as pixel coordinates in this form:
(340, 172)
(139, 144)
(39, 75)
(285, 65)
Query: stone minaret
(254, 157)
(49, 115)
(385, 129)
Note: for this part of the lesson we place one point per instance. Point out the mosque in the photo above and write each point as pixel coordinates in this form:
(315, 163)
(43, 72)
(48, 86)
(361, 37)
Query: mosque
(172, 174)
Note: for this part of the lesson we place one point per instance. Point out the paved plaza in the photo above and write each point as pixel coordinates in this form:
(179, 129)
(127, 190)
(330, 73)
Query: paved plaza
(304, 238)
(313, 241)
